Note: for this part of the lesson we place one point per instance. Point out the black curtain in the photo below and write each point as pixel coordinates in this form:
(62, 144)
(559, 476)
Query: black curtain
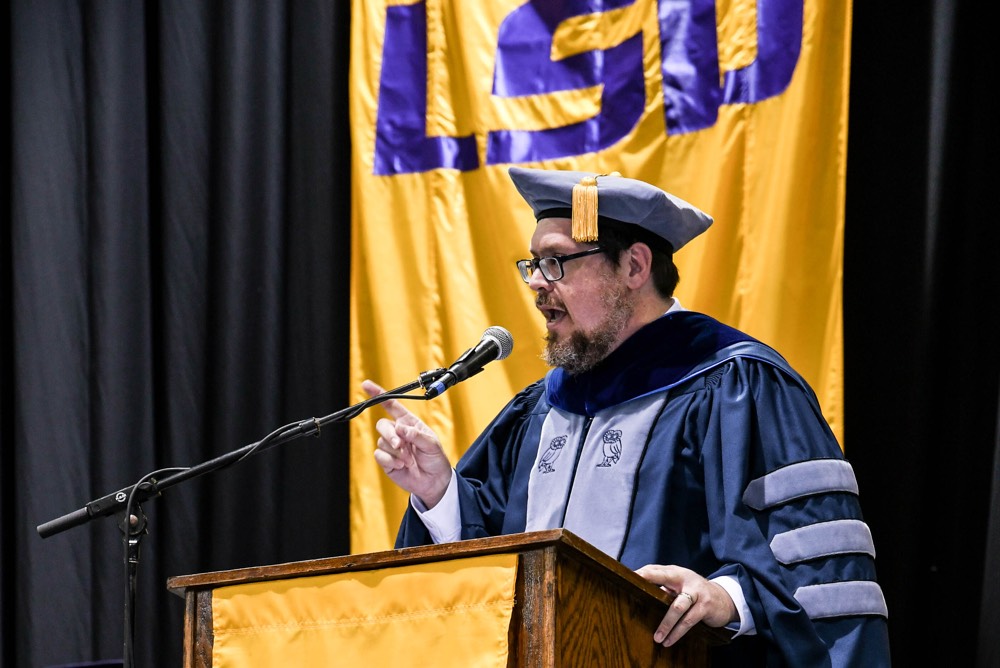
(174, 285)
(921, 323)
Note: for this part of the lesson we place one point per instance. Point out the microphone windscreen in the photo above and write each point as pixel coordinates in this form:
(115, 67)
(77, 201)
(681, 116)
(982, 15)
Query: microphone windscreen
(502, 338)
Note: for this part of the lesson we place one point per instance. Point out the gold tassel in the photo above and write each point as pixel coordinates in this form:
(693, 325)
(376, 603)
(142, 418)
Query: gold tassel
(585, 208)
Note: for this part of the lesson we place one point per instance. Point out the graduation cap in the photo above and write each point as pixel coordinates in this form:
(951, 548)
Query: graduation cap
(585, 198)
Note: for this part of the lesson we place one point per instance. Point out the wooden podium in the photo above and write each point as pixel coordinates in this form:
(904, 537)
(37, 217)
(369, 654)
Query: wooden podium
(574, 605)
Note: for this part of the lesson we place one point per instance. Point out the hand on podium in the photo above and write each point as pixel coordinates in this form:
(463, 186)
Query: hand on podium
(697, 599)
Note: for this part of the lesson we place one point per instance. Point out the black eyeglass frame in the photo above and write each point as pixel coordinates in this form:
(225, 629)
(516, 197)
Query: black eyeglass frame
(527, 267)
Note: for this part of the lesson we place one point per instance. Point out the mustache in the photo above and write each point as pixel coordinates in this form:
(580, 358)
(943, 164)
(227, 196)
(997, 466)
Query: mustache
(547, 300)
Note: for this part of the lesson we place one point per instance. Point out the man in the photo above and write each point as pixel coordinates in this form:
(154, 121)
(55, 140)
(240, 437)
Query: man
(682, 447)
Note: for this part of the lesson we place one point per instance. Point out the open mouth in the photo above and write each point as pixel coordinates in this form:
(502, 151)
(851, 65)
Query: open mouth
(551, 314)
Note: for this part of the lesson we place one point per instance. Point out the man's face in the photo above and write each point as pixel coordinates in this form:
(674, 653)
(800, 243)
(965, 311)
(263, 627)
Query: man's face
(587, 310)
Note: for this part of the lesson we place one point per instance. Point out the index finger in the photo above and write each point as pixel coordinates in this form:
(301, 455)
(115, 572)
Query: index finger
(669, 576)
(394, 408)
(371, 388)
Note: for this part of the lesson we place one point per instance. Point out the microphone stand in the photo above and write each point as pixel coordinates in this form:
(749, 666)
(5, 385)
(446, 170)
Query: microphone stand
(128, 500)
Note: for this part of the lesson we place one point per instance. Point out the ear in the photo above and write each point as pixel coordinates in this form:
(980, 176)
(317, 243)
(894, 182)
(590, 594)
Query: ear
(639, 264)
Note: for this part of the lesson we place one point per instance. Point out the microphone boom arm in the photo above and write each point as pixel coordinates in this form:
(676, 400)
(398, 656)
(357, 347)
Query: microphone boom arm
(116, 502)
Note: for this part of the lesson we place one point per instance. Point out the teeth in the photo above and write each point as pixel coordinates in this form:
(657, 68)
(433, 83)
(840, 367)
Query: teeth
(550, 313)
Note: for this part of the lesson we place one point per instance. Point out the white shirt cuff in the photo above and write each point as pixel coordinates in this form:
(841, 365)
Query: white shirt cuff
(732, 587)
(443, 521)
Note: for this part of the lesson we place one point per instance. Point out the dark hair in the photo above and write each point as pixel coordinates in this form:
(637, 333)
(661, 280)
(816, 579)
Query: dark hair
(617, 237)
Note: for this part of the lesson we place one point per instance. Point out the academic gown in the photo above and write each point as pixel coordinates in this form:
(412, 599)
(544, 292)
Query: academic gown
(692, 444)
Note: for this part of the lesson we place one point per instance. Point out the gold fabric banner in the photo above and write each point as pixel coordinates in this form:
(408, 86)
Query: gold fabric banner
(453, 614)
(739, 107)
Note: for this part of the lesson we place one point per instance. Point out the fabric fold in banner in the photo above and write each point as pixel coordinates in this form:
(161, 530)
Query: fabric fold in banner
(457, 612)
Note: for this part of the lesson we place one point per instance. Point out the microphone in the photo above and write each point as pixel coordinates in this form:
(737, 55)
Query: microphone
(496, 344)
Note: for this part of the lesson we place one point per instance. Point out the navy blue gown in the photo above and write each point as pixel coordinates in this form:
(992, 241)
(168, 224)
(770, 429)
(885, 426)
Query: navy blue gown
(692, 444)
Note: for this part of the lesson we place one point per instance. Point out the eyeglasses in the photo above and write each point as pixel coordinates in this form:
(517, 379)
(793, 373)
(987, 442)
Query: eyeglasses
(552, 267)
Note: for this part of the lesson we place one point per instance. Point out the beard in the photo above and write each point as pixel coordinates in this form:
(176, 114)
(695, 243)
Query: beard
(582, 351)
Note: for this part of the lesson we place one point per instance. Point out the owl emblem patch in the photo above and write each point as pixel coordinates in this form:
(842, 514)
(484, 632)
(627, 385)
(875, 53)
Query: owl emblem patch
(612, 445)
(551, 454)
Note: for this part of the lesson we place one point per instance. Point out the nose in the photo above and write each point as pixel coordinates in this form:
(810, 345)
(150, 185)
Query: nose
(537, 281)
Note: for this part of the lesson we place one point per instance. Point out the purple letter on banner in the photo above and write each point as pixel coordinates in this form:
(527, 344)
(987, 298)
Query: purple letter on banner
(401, 142)
(690, 60)
(690, 67)
(524, 67)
